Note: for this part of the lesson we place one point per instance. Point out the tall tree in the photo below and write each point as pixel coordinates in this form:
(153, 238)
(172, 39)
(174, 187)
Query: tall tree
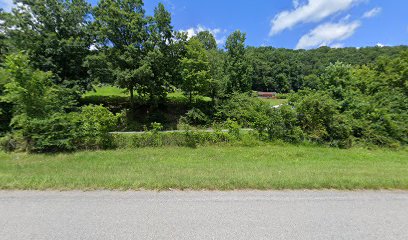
(195, 69)
(217, 84)
(3, 36)
(163, 55)
(140, 52)
(55, 35)
(238, 69)
(207, 39)
(121, 33)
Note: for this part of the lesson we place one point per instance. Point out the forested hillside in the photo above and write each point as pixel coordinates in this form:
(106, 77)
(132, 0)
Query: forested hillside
(54, 53)
(282, 70)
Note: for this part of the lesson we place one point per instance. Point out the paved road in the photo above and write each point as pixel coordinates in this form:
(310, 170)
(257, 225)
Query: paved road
(204, 215)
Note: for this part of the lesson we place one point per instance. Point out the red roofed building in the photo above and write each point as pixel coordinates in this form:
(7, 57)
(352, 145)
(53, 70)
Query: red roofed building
(267, 94)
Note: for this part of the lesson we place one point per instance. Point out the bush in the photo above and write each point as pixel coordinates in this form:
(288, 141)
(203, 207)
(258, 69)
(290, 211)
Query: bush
(87, 129)
(9, 143)
(243, 109)
(187, 138)
(282, 124)
(234, 129)
(195, 117)
(320, 119)
(93, 126)
(282, 96)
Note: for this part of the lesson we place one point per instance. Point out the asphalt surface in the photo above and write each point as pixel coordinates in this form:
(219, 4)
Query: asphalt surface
(204, 215)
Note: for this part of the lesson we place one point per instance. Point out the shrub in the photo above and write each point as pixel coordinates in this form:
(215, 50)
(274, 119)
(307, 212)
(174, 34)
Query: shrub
(53, 134)
(195, 117)
(39, 119)
(93, 126)
(9, 143)
(234, 129)
(282, 124)
(243, 109)
(282, 96)
(320, 119)
(187, 138)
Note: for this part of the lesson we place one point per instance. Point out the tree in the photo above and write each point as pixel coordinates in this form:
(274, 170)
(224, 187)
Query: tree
(163, 55)
(207, 39)
(38, 104)
(121, 33)
(141, 51)
(217, 85)
(30, 91)
(195, 69)
(238, 69)
(55, 35)
(3, 37)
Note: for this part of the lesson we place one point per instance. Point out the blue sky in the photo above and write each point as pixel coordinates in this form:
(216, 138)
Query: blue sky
(292, 23)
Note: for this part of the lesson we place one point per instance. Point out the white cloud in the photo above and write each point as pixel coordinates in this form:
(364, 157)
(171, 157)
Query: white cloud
(6, 5)
(218, 33)
(372, 13)
(312, 11)
(327, 34)
(337, 45)
(380, 45)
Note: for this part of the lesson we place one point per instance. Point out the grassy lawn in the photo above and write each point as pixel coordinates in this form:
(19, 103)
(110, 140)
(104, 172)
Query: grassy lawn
(108, 91)
(213, 167)
(274, 102)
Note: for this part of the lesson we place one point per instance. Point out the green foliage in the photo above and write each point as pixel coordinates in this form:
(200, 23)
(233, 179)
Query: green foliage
(39, 120)
(362, 104)
(238, 69)
(281, 124)
(338, 97)
(55, 34)
(244, 109)
(93, 126)
(218, 82)
(319, 117)
(195, 69)
(234, 129)
(31, 91)
(186, 138)
(195, 117)
(139, 52)
(121, 30)
(301, 69)
(207, 39)
(4, 41)
(38, 105)
(52, 134)
(43, 120)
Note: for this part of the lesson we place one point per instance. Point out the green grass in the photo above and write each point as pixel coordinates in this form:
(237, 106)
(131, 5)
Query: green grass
(213, 167)
(108, 91)
(274, 102)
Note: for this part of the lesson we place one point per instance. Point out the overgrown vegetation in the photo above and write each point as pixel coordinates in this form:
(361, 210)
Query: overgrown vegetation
(53, 52)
